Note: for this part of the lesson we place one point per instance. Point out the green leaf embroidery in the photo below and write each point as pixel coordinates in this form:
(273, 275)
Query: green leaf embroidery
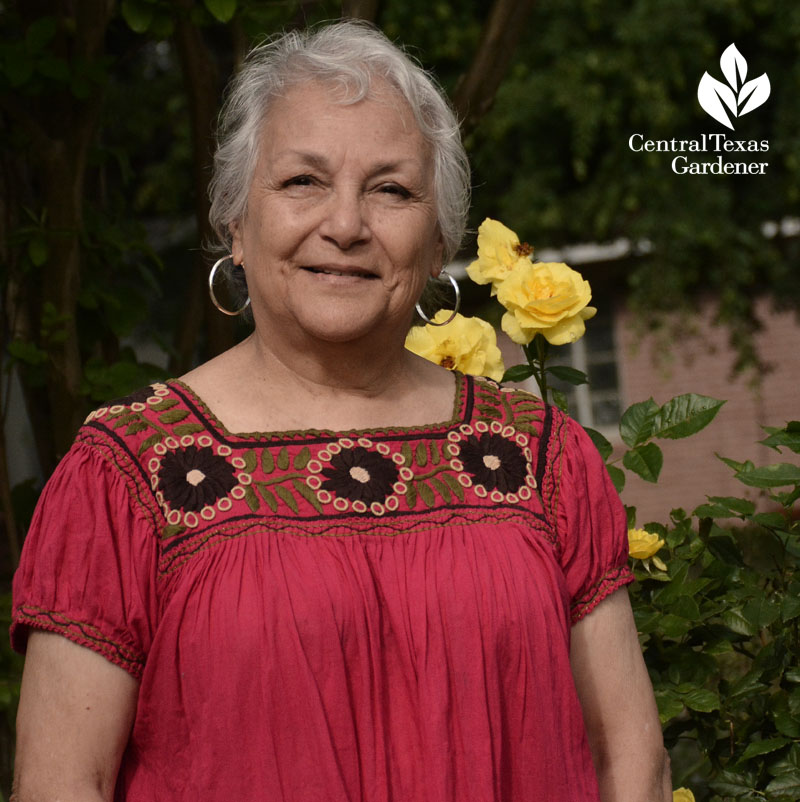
(136, 427)
(490, 411)
(436, 456)
(426, 494)
(149, 443)
(442, 489)
(250, 460)
(287, 497)
(251, 498)
(411, 496)
(173, 416)
(421, 455)
(301, 458)
(283, 459)
(267, 495)
(187, 428)
(163, 406)
(267, 461)
(405, 450)
(171, 530)
(454, 485)
(307, 493)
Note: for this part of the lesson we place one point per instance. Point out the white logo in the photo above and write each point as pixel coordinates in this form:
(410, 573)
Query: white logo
(739, 97)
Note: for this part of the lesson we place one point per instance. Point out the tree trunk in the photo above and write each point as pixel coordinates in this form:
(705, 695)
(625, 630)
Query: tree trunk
(360, 9)
(201, 79)
(502, 33)
(61, 130)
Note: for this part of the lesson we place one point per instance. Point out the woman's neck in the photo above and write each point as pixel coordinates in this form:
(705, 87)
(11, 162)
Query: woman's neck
(255, 387)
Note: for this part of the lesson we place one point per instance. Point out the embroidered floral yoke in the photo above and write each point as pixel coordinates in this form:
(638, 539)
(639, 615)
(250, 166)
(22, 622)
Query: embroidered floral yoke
(353, 617)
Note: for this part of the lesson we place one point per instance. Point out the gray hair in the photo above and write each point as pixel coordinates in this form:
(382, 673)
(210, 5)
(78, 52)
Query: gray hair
(349, 54)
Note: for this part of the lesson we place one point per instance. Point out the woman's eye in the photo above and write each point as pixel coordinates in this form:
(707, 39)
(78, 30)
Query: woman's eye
(395, 189)
(299, 181)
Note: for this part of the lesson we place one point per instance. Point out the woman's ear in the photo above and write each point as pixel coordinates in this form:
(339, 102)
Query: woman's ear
(237, 247)
(437, 262)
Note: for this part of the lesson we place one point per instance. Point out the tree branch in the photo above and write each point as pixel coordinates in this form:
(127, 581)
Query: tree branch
(502, 33)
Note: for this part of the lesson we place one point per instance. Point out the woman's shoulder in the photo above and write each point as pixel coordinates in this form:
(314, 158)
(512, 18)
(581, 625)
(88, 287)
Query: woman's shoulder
(508, 406)
(125, 429)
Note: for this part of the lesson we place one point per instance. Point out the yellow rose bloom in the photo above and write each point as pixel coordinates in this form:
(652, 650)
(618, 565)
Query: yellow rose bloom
(468, 344)
(682, 795)
(499, 252)
(547, 298)
(642, 545)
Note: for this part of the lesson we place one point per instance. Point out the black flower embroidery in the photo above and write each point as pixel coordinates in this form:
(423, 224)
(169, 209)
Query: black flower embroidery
(494, 462)
(360, 475)
(191, 478)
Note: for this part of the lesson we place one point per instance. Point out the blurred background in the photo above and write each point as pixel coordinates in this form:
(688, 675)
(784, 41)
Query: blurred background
(107, 112)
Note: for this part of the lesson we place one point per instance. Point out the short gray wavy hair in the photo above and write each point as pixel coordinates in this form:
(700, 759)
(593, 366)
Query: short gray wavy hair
(349, 54)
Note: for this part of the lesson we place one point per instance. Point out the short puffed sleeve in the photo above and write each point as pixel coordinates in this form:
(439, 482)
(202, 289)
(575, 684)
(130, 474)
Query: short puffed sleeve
(88, 564)
(590, 518)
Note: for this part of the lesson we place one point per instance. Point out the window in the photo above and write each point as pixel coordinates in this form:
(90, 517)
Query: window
(597, 404)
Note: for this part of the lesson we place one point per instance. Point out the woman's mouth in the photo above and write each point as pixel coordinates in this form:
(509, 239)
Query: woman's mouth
(344, 272)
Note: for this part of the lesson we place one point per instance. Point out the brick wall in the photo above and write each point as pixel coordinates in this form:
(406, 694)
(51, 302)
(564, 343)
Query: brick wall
(649, 366)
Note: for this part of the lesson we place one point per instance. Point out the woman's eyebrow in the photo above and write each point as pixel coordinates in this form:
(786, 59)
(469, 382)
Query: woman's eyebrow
(316, 160)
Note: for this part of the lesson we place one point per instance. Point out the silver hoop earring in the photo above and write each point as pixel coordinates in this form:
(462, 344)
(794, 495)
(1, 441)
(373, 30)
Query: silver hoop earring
(211, 276)
(457, 291)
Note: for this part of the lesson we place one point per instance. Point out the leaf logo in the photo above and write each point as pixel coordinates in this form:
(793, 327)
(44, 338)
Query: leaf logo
(739, 96)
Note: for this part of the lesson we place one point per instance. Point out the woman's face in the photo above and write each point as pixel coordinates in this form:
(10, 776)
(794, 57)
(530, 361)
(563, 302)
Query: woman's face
(340, 233)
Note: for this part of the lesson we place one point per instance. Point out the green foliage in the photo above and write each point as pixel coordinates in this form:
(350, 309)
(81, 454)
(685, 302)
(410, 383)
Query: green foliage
(719, 626)
(593, 75)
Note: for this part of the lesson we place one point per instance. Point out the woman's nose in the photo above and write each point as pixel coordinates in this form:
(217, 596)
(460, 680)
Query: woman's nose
(345, 221)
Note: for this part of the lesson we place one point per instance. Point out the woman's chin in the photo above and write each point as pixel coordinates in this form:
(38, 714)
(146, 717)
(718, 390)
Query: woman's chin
(343, 324)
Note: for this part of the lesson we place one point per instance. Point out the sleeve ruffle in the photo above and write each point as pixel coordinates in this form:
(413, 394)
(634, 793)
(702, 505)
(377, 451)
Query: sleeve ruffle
(592, 526)
(88, 565)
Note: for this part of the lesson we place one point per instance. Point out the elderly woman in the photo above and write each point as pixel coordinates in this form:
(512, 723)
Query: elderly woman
(319, 567)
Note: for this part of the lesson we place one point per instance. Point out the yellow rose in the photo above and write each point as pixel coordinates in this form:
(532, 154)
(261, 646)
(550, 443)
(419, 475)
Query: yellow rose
(548, 298)
(499, 252)
(642, 545)
(682, 795)
(468, 344)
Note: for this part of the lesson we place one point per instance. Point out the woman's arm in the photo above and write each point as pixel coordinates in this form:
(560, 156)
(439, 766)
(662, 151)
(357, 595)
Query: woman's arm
(618, 705)
(75, 715)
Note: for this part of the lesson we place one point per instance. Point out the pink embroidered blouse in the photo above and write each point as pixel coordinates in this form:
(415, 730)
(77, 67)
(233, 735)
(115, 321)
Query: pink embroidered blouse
(371, 616)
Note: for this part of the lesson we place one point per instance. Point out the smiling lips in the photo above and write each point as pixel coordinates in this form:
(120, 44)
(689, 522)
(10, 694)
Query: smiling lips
(344, 272)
